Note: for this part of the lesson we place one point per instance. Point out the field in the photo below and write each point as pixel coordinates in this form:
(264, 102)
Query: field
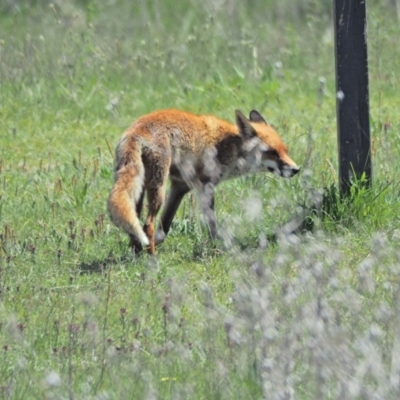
(308, 316)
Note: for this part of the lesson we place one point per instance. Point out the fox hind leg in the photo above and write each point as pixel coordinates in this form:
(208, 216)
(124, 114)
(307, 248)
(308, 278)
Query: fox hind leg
(139, 204)
(174, 199)
(155, 196)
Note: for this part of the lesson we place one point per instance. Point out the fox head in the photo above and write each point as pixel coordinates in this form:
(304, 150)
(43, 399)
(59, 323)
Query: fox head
(262, 147)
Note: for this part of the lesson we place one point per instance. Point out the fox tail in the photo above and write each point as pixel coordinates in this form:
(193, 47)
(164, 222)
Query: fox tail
(128, 188)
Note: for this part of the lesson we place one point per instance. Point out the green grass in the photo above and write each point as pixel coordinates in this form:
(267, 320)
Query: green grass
(316, 315)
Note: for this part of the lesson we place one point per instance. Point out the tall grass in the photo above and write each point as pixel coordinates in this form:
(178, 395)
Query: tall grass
(310, 316)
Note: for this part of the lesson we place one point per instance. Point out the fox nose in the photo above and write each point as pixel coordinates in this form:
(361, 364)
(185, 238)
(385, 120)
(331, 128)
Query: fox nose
(295, 170)
(288, 172)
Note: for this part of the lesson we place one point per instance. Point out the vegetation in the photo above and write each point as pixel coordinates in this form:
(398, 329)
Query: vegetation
(310, 316)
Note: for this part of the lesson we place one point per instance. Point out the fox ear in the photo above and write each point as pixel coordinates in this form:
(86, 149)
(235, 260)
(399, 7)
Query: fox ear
(245, 129)
(255, 116)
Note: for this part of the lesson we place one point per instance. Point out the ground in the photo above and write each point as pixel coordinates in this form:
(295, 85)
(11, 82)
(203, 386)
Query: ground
(310, 316)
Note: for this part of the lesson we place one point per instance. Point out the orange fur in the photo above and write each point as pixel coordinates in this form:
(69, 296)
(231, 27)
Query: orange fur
(194, 152)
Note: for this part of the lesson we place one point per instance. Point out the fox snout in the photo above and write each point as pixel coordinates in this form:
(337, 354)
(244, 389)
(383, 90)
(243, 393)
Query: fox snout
(288, 172)
(286, 169)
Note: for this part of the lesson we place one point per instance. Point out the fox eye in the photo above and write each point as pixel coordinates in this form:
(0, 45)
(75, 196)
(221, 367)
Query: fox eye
(272, 153)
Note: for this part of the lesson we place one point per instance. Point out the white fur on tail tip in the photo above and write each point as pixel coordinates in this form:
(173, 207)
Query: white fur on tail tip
(144, 239)
(137, 230)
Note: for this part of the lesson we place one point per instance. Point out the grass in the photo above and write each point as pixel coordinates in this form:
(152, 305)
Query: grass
(314, 316)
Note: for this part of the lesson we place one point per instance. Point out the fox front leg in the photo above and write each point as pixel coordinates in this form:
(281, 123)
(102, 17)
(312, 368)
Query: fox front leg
(206, 198)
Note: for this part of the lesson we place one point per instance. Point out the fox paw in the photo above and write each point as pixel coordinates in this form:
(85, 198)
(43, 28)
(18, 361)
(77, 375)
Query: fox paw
(160, 237)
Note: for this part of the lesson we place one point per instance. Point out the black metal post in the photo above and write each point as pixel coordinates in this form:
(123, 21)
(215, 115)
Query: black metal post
(352, 104)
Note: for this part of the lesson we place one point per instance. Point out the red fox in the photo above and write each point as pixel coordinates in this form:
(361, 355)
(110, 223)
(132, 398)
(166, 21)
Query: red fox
(195, 152)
